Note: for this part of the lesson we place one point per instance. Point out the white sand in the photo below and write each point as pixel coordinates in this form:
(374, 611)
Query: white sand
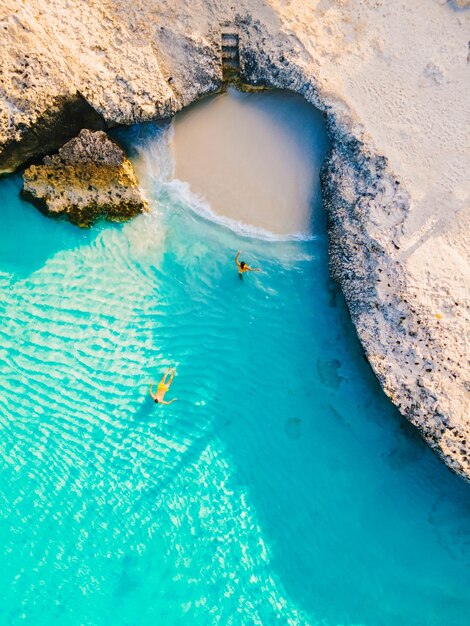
(255, 158)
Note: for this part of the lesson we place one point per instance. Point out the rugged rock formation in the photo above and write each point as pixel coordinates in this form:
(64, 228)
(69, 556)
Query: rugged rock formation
(62, 120)
(89, 178)
(404, 337)
(395, 89)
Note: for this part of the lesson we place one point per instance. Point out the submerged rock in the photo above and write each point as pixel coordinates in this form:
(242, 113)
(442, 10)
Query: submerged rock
(90, 178)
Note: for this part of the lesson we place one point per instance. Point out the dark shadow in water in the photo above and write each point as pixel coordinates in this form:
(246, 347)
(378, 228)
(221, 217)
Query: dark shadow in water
(130, 137)
(146, 409)
(413, 477)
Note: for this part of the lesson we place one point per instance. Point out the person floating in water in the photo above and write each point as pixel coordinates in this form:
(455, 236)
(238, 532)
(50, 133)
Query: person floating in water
(162, 388)
(243, 267)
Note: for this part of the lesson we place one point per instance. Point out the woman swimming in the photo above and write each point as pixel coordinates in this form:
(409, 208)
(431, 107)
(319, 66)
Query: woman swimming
(243, 267)
(163, 387)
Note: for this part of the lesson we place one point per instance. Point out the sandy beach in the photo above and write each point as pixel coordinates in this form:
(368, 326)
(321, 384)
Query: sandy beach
(255, 158)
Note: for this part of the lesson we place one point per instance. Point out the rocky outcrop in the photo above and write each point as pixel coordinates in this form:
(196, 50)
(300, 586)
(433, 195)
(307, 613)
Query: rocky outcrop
(90, 178)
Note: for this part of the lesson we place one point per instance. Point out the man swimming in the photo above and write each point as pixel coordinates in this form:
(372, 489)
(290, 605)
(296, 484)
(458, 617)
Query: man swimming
(243, 267)
(162, 388)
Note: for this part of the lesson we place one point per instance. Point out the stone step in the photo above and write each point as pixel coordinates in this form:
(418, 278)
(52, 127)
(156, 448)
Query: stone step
(230, 55)
(230, 39)
(229, 51)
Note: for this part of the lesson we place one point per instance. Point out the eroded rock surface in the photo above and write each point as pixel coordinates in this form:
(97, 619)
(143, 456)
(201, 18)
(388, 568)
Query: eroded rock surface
(406, 338)
(63, 119)
(395, 89)
(90, 178)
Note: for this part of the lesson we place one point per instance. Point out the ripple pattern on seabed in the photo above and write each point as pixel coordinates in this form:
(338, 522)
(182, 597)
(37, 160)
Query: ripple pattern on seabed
(280, 488)
(77, 337)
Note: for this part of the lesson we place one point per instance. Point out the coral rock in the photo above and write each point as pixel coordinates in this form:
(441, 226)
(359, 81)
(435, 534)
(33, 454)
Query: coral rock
(90, 178)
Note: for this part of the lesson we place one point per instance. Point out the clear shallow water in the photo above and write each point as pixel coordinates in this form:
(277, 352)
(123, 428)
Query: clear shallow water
(281, 488)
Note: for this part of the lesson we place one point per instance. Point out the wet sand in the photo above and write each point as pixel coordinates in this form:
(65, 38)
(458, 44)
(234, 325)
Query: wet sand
(255, 158)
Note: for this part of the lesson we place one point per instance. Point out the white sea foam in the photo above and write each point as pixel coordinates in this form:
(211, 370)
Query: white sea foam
(180, 191)
(155, 163)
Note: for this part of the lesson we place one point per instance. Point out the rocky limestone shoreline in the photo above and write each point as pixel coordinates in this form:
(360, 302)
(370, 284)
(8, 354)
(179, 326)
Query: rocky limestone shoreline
(404, 339)
(397, 208)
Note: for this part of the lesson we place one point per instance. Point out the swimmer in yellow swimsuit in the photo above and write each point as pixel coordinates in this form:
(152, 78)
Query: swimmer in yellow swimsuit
(243, 267)
(162, 388)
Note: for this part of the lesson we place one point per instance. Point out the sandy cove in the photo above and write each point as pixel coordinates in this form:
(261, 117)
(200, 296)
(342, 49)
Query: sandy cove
(393, 81)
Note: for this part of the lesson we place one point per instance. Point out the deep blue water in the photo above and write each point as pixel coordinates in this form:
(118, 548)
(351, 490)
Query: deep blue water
(281, 488)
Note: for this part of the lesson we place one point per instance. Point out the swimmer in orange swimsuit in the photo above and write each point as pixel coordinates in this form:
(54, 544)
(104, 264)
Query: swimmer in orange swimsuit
(243, 267)
(162, 388)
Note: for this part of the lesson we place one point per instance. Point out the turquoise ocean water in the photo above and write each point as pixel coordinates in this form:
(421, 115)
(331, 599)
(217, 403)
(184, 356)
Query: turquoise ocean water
(281, 487)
